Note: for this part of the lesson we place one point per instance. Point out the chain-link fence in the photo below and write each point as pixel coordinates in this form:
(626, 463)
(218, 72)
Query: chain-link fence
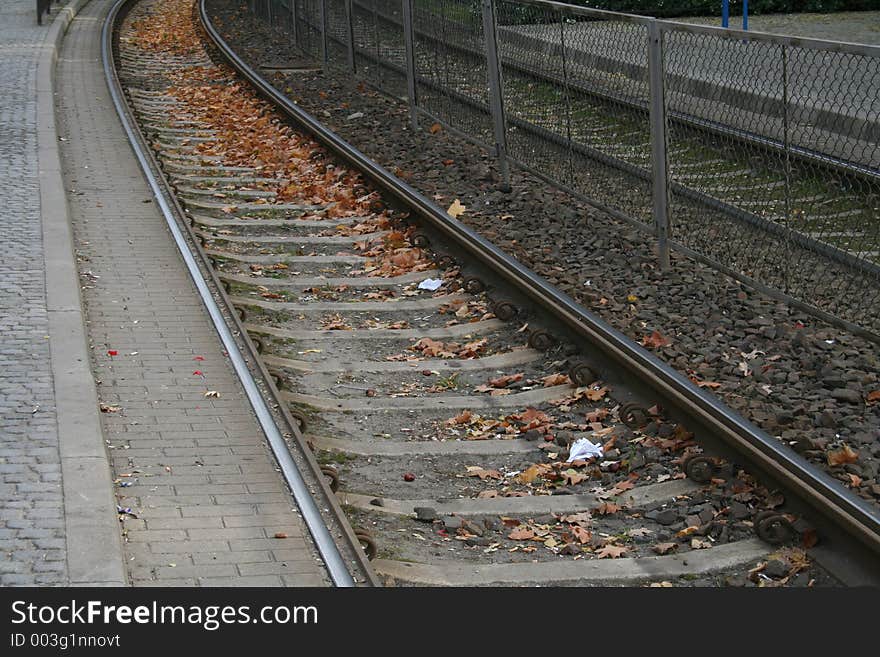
(756, 153)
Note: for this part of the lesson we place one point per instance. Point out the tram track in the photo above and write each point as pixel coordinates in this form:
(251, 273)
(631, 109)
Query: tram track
(445, 418)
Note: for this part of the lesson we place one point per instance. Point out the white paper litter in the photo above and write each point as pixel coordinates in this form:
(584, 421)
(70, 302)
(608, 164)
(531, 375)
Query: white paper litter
(583, 449)
(431, 284)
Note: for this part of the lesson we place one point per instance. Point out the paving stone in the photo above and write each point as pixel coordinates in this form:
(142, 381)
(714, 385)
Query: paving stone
(30, 463)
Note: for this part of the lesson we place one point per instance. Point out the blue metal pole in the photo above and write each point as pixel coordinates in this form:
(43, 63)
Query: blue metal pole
(745, 15)
(725, 12)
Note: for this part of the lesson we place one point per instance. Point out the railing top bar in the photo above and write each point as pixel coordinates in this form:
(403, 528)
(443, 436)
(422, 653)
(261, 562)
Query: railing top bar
(585, 11)
(677, 26)
(779, 39)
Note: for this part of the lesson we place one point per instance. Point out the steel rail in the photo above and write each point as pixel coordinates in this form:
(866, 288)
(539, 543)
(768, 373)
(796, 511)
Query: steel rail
(326, 546)
(819, 491)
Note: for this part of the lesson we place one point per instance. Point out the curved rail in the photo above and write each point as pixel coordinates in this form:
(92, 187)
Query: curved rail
(705, 414)
(333, 559)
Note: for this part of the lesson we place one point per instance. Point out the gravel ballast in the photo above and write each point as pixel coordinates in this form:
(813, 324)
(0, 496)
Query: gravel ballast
(799, 379)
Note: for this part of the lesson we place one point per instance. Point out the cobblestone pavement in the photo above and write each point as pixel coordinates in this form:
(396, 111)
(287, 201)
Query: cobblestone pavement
(32, 538)
(852, 26)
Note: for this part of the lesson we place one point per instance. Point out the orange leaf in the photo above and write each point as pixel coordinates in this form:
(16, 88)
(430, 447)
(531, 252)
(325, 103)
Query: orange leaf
(504, 381)
(581, 534)
(607, 508)
(845, 454)
(462, 418)
(521, 534)
(556, 380)
(655, 340)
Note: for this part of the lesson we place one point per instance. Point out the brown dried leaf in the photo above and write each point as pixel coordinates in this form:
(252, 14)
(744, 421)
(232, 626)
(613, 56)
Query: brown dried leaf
(483, 474)
(611, 552)
(556, 380)
(845, 454)
(521, 534)
(504, 381)
(582, 535)
(655, 340)
(607, 508)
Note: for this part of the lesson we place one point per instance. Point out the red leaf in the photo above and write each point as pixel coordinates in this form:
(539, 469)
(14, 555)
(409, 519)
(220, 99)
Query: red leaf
(655, 340)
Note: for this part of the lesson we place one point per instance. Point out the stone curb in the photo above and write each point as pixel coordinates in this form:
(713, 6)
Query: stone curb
(94, 547)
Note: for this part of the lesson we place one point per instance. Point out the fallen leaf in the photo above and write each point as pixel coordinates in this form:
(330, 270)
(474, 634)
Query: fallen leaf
(530, 474)
(611, 552)
(845, 454)
(212, 393)
(639, 532)
(483, 474)
(435, 128)
(573, 477)
(655, 340)
(607, 508)
(504, 381)
(456, 209)
(664, 548)
(583, 518)
(556, 380)
(622, 486)
(582, 535)
(521, 534)
(462, 418)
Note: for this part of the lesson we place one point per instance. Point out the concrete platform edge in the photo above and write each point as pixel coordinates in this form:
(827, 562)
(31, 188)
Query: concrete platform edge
(94, 545)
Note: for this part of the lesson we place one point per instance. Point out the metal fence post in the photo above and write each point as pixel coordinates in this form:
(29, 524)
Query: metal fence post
(786, 141)
(349, 33)
(294, 23)
(659, 151)
(410, 57)
(496, 101)
(325, 47)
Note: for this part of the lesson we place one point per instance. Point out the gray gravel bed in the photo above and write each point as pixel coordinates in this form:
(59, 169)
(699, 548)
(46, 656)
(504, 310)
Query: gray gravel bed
(799, 379)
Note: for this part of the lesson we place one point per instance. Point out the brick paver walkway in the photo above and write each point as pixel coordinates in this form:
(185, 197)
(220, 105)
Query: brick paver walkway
(32, 537)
